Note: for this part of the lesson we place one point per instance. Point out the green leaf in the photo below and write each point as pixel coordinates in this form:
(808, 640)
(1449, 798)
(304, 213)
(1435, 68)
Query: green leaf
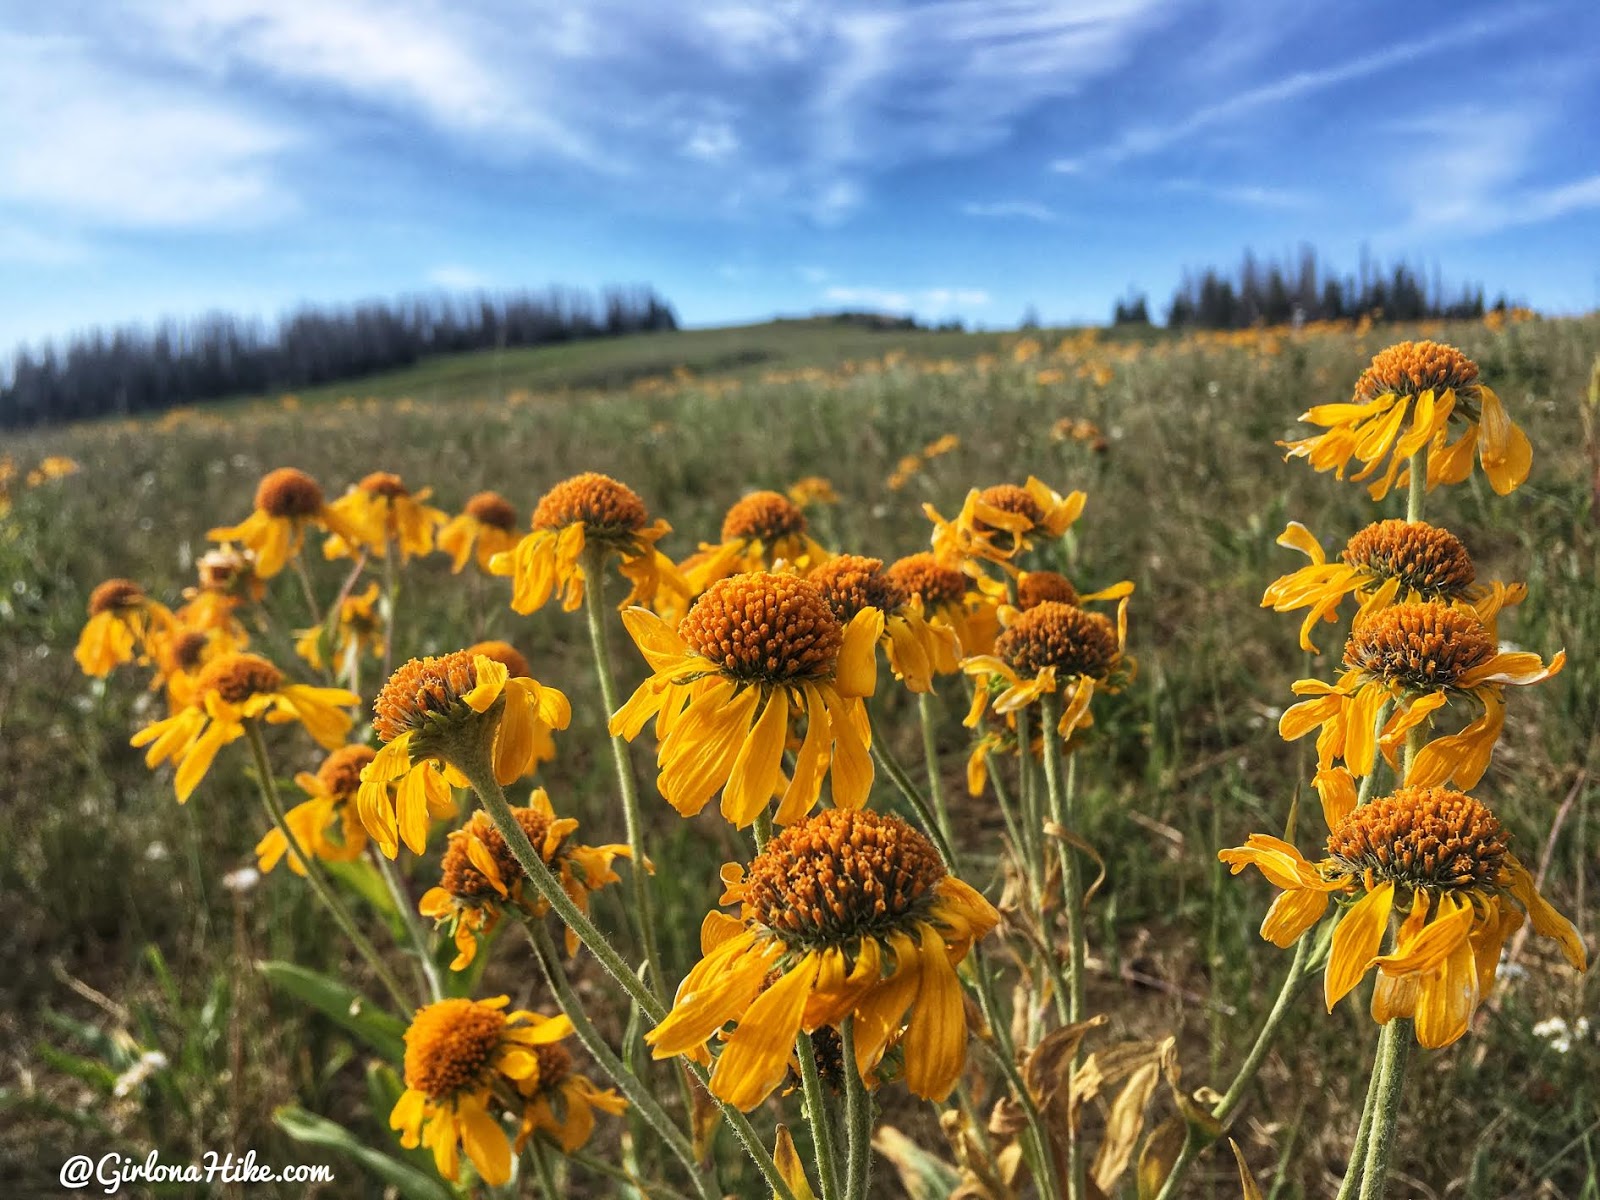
(318, 1131)
(96, 1074)
(348, 1008)
(362, 878)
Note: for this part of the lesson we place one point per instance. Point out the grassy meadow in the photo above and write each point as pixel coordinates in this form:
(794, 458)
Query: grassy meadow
(126, 929)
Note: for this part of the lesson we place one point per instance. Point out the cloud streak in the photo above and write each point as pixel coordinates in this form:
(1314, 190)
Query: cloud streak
(1144, 141)
(1004, 210)
(84, 141)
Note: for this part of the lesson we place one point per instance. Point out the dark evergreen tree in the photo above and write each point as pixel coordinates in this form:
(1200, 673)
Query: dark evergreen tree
(134, 369)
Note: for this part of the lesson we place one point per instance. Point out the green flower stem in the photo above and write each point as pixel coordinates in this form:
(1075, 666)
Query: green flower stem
(930, 755)
(268, 786)
(391, 599)
(1027, 786)
(408, 915)
(476, 767)
(594, 561)
(858, 1120)
(1061, 812)
(1369, 781)
(1013, 831)
(1036, 1143)
(897, 773)
(1358, 1149)
(657, 1191)
(1062, 804)
(1418, 485)
(635, 1089)
(1394, 1051)
(541, 1169)
(822, 1134)
(1301, 968)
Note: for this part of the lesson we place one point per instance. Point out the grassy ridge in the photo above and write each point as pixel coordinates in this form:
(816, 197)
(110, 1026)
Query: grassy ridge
(115, 892)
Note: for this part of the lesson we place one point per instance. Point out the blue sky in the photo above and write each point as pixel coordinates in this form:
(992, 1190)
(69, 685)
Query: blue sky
(962, 158)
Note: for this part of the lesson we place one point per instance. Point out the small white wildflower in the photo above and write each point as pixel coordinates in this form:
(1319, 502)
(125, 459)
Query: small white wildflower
(242, 880)
(155, 852)
(135, 1076)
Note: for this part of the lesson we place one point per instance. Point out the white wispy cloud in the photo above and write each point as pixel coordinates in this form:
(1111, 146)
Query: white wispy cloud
(1027, 210)
(408, 55)
(800, 105)
(1243, 194)
(1145, 140)
(1473, 169)
(458, 278)
(903, 300)
(85, 140)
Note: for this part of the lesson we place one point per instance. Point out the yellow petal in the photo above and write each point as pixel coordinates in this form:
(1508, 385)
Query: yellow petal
(936, 1035)
(1356, 941)
(759, 766)
(756, 1058)
(485, 1141)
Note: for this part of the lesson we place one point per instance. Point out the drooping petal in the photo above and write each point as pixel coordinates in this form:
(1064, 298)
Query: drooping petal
(756, 1057)
(485, 1141)
(936, 1035)
(759, 765)
(1356, 941)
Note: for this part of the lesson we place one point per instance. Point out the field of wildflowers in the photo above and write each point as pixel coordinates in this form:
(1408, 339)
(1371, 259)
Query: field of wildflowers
(823, 779)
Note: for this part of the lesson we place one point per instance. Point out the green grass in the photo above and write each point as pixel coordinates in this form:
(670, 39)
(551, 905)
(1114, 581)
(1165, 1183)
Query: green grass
(119, 932)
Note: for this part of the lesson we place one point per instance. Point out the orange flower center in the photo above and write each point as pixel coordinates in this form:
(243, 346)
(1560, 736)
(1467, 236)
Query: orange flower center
(1421, 647)
(850, 583)
(507, 655)
(924, 575)
(1008, 497)
(494, 510)
(114, 595)
(287, 492)
(763, 628)
(1422, 557)
(763, 517)
(340, 772)
(555, 1064)
(423, 688)
(450, 1046)
(1037, 587)
(840, 875)
(463, 880)
(1423, 837)
(1062, 636)
(599, 502)
(1411, 368)
(187, 649)
(383, 483)
(237, 677)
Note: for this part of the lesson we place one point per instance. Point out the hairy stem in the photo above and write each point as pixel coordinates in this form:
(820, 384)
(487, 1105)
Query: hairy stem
(635, 1089)
(1394, 1051)
(268, 786)
(821, 1121)
(930, 756)
(919, 804)
(858, 1120)
(480, 775)
(594, 559)
(408, 915)
(1061, 812)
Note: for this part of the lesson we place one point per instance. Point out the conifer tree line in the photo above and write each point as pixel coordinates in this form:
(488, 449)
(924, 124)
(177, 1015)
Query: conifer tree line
(138, 369)
(1299, 289)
